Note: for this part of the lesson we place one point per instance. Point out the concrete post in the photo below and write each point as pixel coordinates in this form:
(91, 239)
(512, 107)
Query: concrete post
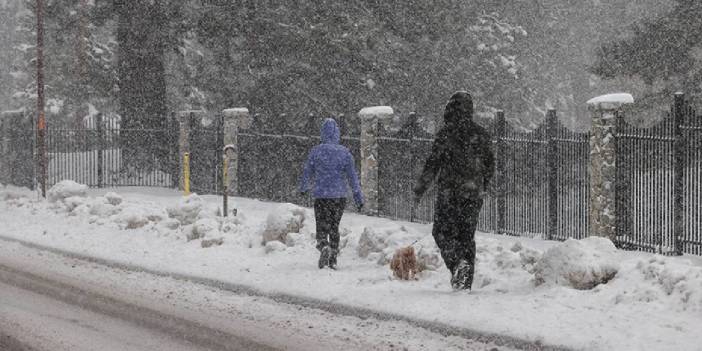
(603, 216)
(234, 119)
(372, 119)
(185, 118)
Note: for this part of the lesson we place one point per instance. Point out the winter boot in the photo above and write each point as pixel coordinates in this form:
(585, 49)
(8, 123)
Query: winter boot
(324, 256)
(462, 278)
(332, 259)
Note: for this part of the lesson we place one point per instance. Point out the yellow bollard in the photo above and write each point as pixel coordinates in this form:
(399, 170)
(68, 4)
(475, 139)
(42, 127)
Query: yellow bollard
(186, 173)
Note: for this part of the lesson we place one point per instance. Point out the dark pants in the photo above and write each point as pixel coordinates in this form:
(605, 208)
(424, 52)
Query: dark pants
(327, 213)
(455, 221)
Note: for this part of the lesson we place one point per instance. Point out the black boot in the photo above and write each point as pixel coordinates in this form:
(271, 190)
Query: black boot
(324, 256)
(332, 259)
(462, 278)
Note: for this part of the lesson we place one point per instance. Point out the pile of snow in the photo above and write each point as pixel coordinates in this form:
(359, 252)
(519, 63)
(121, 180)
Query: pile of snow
(283, 220)
(501, 266)
(9, 193)
(274, 246)
(581, 264)
(66, 189)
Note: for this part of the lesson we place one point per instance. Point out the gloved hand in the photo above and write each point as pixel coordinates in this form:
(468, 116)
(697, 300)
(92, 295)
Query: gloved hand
(303, 193)
(416, 199)
(359, 207)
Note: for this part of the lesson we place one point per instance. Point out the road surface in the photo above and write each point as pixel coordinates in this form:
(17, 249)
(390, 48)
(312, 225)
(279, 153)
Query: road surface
(51, 302)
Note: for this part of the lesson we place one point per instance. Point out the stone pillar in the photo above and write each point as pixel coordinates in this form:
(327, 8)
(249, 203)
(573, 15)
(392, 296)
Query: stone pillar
(604, 109)
(234, 119)
(372, 119)
(185, 118)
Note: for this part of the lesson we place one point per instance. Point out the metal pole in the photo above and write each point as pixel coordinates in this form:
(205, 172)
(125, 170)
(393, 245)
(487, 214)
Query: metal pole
(41, 121)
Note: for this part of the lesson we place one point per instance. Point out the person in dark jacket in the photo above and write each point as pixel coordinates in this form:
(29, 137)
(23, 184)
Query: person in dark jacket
(462, 160)
(331, 165)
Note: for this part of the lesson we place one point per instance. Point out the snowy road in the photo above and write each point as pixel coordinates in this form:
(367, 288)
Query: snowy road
(50, 302)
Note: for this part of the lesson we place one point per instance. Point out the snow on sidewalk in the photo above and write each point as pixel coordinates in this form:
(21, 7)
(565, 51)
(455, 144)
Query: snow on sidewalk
(648, 302)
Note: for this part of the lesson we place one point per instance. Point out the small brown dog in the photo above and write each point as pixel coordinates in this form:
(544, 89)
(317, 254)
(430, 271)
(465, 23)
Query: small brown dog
(404, 263)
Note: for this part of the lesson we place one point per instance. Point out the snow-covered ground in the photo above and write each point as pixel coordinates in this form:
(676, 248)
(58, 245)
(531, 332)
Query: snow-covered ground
(524, 288)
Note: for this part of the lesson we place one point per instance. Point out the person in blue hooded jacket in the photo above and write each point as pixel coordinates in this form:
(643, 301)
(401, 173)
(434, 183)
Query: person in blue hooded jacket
(329, 170)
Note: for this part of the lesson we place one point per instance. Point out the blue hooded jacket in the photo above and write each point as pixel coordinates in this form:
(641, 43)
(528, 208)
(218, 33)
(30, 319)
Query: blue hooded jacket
(331, 165)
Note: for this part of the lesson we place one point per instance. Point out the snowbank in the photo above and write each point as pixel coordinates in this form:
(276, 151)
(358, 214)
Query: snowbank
(581, 264)
(523, 287)
(671, 283)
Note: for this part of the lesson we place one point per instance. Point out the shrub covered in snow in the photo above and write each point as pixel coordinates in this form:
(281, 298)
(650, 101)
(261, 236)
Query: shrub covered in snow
(133, 217)
(429, 258)
(113, 199)
(284, 219)
(206, 227)
(380, 244)
(581, 264)
(187, 210)
(65, 189)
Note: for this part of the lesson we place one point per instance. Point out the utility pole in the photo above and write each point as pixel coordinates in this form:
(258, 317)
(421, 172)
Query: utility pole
(41, 119)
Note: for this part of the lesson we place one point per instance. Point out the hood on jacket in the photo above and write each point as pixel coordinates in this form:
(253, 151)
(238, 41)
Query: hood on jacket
(459, 110)
(330, 132)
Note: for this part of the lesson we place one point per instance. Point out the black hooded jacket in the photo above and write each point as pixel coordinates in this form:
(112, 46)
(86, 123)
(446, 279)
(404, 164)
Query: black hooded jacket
(461, 155)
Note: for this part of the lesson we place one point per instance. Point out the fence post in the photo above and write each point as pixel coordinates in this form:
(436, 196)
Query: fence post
(500, 186)
(603, 164)
(622, 186)
(184, 121)
(234, 119)
(371, 120)
(100, 148)
(551, 130)
(679, 112)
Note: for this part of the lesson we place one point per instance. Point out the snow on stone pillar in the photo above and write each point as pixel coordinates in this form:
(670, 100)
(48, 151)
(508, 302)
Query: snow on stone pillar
(603, 109)
(234, 119)
(372, 118)
(185, 118)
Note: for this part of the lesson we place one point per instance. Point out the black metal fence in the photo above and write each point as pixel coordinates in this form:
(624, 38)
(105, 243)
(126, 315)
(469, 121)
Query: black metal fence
(206, 144)
(17, 135)
(540, 187)
(98, 156)
(658, 182)
(273, 152)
